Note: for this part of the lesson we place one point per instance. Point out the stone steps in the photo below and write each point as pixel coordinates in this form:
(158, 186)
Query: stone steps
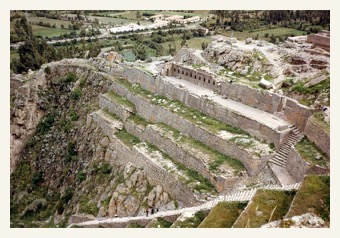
(280, 157)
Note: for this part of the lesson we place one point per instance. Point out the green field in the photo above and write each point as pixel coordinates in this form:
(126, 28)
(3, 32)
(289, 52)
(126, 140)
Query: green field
(195, 43)
(277, 32)
(47, 31)
(58, 23)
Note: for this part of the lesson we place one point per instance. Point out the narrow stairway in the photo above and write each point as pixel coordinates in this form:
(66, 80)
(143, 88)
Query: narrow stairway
(280, 157)
(279, 161)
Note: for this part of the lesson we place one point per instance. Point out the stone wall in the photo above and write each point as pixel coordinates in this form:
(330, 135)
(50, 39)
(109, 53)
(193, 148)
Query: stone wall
(152, 134)
(274, 103)
(158, 86)
(155, 113)
(122, 154)
(296, 166)
(197, 77)
(297, 113)
(106, 125)
(142, 221)
(317, 134)
(261, 99)
(156, 175)
(120, 110)
(319, 40)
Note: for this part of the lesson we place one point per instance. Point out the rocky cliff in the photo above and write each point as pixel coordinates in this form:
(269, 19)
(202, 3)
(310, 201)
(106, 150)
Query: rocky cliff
(59, 162)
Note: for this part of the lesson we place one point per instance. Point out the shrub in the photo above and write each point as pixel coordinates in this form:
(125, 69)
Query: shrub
(45, 124)
(47, 70)
(37, 178)
(76, 94)
(73, 114)
(60, 207)
(81, 176)
(71, 77)
(67, 196)
(71, 149)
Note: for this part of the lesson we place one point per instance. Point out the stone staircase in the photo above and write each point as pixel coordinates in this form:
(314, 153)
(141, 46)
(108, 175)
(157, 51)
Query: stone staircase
(280, 157)
(239, 196)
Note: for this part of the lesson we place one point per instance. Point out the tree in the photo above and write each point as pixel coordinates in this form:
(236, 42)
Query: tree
(138, 15)
(273, 39)
(184, 41)
(140, 51)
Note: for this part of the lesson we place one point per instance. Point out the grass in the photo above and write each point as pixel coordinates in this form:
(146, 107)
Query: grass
(223, 215)
(266, 206)
(313, 196)
(47, 31)
(191, 222)
(127, 138)
(139, 120)
(280, 31)
(309, 151)
(121, 100)
(111, 115)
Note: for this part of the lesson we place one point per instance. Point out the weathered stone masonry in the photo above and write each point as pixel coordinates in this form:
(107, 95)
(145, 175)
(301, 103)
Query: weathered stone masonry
(122, 154)
(152, 134)
(201, 78)
(317, 134)
(155, 113)
(274, 103)
(158, 86)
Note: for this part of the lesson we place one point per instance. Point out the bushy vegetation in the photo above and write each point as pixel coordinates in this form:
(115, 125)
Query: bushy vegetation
(87, 206)
(223, 215)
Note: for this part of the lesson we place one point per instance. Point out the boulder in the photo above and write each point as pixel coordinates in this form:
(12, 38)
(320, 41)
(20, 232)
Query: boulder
(249, 40)
(265, 84)
(260, 43)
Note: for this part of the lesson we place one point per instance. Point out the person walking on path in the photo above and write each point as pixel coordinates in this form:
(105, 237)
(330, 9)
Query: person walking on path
(147, 211)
